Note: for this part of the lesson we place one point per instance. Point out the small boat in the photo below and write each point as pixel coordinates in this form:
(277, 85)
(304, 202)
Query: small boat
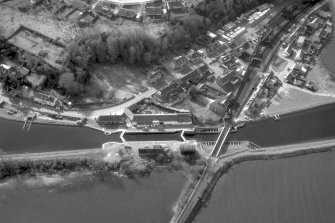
(276, 117)
(233, 130)
(107, 133)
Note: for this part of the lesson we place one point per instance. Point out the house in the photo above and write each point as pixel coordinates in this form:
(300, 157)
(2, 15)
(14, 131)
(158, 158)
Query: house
(36, 80)
(192, 55)
(324, 14)
(111, 120)
(178, 62)
(287, 52)
(301, 41)
(166, 91)
(6, 69)
(127, 13)
(313, 25)
(45, 99)
(154, 151)
(299, 55)
(192, 77)
(211, 35)
(176, 9)
(227, 76)
(155, 76)
(220, 105)
(104, 10)
(325, 33)
(162, 119)
(154, 13)
(80, 5)
(188, 149)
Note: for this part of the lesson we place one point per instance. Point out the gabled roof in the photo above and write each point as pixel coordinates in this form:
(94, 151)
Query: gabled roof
(79, 4)
(127, 13)
(174, 5)
(153, 11)
(111, 118)
(179, 60)
(149, 118)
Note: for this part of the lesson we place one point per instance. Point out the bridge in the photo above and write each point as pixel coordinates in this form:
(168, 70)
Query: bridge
(207, 180)
(220, 141)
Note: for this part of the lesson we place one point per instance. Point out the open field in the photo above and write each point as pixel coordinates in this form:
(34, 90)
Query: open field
(322, 78)
(12, 19)
(118, 81)
(291, 99)
(34, 44)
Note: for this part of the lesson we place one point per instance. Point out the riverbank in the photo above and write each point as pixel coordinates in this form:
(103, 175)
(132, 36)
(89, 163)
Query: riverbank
(224, 164)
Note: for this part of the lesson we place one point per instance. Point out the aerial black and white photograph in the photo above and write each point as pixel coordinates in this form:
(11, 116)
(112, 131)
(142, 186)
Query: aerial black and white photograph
(167, 111)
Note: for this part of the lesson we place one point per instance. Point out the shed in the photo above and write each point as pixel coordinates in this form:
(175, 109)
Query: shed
(187, 149)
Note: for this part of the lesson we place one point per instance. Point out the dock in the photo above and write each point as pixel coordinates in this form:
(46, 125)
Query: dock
(28, 121)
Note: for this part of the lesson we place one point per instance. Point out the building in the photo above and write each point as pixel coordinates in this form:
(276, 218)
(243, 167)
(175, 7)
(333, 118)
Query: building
(188, 149)
(313, 25)
(299, 55)
(178, 62)
(154, 13)
(165, 92)
(192, 77)
(127, 13)
(104, 10)
(162, 119)
(227, 76)
(287, 52)
(155, 76)
(80, 5)
(192, 55)
(36, 80)
(45, 99)
(220, 105)
(111, 120)
(301, 41)
(325, 33)
(176, 9)
(154, 151)
(6, 69)
(324, 14)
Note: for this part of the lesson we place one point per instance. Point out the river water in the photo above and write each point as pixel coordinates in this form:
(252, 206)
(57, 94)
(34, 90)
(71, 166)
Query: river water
(299, 189)
(119, 200)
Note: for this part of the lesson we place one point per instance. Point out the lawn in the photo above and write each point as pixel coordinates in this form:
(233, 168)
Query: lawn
(118, 81)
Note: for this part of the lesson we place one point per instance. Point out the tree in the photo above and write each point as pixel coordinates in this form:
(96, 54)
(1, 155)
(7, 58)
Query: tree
(112, 48)
(132, 55)
(67, 82)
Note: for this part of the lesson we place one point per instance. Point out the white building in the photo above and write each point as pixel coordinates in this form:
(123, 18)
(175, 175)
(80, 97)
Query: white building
(300, 41)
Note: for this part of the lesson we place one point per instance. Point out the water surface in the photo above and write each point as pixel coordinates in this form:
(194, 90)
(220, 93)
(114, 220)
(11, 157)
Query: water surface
(120, 200)
(299, 189)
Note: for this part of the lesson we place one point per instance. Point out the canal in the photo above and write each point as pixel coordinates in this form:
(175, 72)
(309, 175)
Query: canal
(303, 126)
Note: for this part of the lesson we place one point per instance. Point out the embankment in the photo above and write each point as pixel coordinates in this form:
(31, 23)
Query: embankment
(270, 153)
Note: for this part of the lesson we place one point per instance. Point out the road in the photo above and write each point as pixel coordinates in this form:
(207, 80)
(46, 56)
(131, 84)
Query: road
(69, 154)
(187, 214)
(88, 113)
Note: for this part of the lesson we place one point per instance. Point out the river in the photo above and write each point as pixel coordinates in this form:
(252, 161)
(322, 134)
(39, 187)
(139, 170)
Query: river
(119, 200)
(299, 189)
